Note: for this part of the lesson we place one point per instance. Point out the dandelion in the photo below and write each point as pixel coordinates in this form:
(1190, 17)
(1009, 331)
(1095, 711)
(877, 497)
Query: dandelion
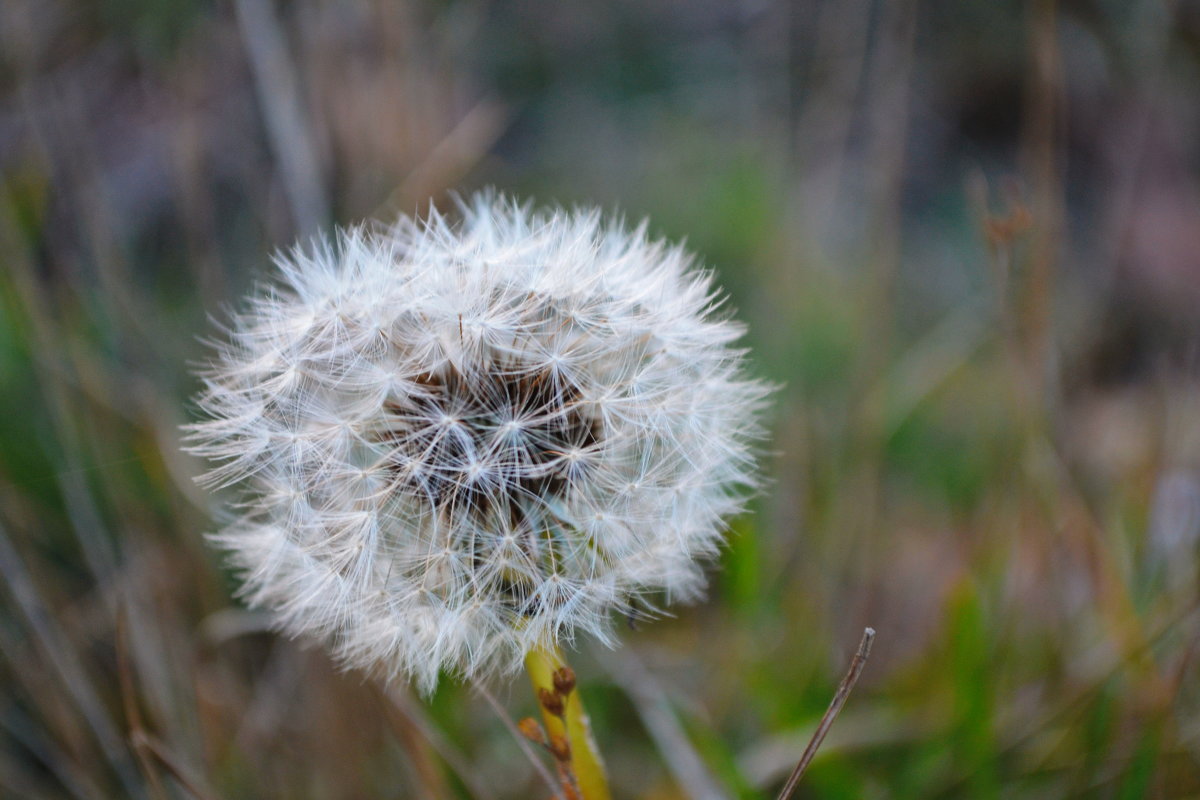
(462, 442)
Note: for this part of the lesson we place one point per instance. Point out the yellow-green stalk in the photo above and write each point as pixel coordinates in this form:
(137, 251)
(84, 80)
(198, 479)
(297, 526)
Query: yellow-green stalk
(567, 721)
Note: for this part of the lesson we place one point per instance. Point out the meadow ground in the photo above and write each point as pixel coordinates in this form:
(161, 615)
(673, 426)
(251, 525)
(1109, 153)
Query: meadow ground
(964, 237)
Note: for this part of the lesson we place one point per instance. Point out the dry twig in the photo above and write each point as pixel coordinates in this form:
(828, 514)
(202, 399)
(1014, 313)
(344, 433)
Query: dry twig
(522, 742)
(133, 715)
(839, 699)
(414, 716)
(189, 783)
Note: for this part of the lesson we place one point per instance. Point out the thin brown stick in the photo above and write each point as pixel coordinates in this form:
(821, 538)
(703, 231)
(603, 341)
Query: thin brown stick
(839, 699)
(133, 715)
(522, 742)
(186, 781)
(413, 715)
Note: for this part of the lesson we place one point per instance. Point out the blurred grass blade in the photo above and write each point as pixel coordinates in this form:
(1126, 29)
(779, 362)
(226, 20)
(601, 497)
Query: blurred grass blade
(654, 709)
(65, 664)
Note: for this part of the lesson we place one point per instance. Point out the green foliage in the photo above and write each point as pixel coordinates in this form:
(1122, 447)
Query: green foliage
(972, 737)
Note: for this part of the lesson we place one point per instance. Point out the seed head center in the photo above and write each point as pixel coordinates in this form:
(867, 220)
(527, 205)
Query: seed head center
(492, 435)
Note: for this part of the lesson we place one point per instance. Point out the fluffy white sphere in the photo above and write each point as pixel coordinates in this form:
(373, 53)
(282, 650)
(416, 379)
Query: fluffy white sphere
(458, 441)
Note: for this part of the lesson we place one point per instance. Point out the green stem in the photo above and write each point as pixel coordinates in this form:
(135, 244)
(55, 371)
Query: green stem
(572, 726)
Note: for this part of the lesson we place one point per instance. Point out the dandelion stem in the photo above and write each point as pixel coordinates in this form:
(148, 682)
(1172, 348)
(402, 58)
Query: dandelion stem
(566, 721)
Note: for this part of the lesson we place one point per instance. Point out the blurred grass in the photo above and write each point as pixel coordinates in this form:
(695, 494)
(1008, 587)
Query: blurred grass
(986, 446)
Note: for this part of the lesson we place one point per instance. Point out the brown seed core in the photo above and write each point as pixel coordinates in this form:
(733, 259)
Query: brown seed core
(494, 438)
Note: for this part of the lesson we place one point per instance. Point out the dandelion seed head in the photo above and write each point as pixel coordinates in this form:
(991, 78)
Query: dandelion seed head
(456, 441)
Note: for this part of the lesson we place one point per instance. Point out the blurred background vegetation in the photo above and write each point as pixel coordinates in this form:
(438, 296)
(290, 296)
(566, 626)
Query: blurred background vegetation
(965, 236)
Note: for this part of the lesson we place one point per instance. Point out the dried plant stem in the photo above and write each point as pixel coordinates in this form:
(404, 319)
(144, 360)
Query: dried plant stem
(144, 741)
(653, 705)
(586, 765)
(280, 94)
(414, 715)
(522, 742)
(839, 699)
(133, 715)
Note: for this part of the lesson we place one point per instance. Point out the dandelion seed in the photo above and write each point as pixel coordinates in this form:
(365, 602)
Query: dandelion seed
(457, 442)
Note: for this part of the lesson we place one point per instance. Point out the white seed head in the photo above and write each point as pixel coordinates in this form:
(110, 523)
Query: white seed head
(459, 441)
